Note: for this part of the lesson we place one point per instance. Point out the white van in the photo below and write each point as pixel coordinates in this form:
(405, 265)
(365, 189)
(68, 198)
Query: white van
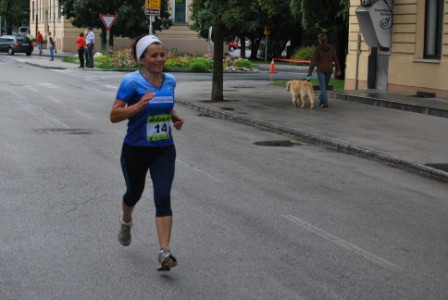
(24, 31)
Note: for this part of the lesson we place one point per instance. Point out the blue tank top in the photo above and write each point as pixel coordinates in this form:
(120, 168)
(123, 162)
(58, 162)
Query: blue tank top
(151, 126)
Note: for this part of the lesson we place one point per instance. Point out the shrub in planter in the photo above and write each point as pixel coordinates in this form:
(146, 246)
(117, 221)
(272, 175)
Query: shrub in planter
(202, 61)
(243, 63)
(198, 67)
(176, 62)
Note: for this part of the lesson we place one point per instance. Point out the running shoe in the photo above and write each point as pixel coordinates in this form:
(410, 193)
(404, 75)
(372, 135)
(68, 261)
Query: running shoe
(124, 235)
(166, 260)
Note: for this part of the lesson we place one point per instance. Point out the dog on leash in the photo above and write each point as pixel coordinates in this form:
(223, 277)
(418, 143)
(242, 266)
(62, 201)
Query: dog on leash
(300, 90)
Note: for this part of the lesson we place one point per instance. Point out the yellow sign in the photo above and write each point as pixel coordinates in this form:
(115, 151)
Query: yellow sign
(152, 7)
(152, 4)
(267, 30)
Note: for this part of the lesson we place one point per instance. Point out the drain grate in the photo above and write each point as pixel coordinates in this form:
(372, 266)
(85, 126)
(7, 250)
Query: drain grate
(227, 108)
(279, 143)
(65, 130)
(442, 167)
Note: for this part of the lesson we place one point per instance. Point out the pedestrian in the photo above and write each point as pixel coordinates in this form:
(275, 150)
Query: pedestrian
(146, 99)
(90, 46)
(323, 57)
(52, 45)
(81, 44)
(39, 40)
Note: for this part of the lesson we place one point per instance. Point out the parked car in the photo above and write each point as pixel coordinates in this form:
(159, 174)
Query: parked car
(233, 45)
(236, 44)
(16, 44)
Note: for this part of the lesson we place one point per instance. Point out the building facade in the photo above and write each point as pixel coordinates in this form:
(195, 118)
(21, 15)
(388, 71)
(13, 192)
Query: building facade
(46, 16)
(417, 57)
(180, 38)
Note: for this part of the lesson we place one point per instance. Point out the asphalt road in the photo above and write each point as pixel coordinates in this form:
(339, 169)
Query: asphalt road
(251, 222)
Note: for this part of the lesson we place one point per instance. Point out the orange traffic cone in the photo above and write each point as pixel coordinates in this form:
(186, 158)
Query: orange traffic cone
(272, 68)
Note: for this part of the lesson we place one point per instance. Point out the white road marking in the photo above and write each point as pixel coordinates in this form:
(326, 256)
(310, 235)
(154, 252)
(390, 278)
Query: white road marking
(109, 86)
(347, 245)
(49, 85)
(32, 89)
(83, 114)
(54, 99)
(191, 167)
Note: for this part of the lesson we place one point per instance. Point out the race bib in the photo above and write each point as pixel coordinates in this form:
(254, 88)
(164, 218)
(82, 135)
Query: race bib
(158, 127)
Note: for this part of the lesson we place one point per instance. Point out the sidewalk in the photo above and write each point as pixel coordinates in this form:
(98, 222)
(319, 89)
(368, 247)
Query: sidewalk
(43, 61)
(411, 136)
(413, 141)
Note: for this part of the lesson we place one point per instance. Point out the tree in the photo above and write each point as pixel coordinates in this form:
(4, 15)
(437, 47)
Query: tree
(230, 18)
(131, 21)
(206, 14)
(15, 12)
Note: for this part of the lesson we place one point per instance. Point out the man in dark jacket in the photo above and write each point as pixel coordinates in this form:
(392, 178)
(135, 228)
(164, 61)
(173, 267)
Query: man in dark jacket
(323, 57)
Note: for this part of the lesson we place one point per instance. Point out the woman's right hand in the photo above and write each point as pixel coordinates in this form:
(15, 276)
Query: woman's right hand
(147, 97)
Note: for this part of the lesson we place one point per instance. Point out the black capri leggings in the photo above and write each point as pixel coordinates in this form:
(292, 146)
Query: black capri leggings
(135, 163)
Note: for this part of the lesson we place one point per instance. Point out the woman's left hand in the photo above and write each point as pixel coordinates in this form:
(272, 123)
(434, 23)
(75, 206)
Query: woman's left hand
(178, 121)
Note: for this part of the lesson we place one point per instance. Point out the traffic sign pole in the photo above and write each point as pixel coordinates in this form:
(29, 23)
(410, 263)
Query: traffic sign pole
(152, 9)
(107, 41)
(108, 21)
(150, 24)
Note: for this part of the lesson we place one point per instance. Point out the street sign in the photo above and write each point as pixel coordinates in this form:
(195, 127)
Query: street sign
(152, 7)
(267, 30)
(108, 20)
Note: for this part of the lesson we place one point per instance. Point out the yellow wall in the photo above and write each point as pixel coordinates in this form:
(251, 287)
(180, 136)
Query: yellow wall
(408, 72)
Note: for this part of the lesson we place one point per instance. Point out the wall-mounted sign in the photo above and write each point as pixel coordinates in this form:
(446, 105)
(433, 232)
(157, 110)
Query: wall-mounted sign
(375, 21)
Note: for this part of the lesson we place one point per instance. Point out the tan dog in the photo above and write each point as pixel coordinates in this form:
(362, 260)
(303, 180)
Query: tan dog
(300, 90)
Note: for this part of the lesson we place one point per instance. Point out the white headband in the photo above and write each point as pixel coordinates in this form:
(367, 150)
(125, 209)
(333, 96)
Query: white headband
(144, 43)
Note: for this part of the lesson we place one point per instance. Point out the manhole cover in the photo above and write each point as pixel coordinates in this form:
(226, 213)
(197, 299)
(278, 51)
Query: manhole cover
(280, 143)
(65, 130)
(443, 167)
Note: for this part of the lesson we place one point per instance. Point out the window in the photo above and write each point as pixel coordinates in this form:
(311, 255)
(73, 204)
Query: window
(41, 11)
(433, 28)
(180, 11)
(32, 11)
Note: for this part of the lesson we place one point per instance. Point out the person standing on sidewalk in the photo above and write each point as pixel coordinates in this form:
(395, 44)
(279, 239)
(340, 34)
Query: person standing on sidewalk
(90, 44)
(52, 45)
(81, 45)
(146, 99)
(39, 40)
(323, 57)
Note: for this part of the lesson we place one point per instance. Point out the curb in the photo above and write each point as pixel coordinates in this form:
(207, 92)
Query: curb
(323, 142)
(431, 111)
(44, 67)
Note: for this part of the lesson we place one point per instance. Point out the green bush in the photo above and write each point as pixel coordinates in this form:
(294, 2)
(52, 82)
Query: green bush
(200, 60)
(243, 63)
(304, 53)
(198, 67)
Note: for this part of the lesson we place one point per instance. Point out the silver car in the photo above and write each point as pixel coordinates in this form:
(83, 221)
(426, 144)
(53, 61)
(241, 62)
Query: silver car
(16, 44)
